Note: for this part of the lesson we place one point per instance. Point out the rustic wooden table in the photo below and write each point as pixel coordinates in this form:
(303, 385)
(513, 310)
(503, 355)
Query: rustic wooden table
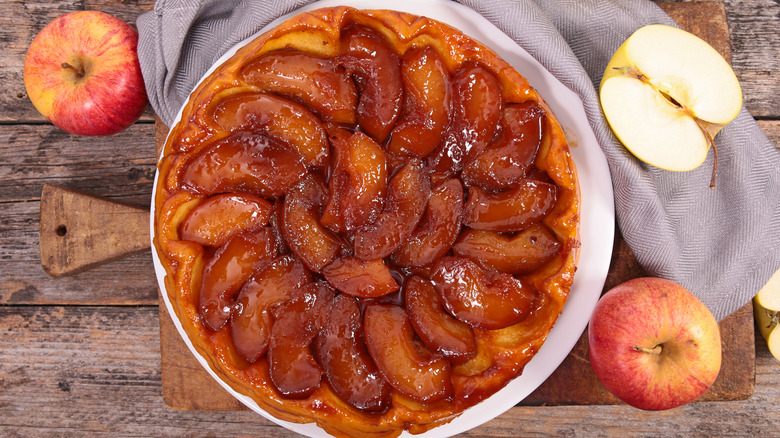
(80, 355)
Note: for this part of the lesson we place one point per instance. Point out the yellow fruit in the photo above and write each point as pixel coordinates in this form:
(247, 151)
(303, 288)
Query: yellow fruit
(769, 295)
(767, 321)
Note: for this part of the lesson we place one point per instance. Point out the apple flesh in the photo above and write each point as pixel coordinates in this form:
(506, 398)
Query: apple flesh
(766, 310)
(82, 73)
(653, 344)
(665, 94)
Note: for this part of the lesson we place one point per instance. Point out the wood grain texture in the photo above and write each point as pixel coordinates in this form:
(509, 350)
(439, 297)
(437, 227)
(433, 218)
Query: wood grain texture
(94, 371)
(120, 168)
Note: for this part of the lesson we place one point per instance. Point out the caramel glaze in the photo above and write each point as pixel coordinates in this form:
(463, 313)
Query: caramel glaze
(367, 220)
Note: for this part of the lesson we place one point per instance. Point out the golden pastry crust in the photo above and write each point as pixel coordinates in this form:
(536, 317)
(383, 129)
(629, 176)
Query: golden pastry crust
(500, 354)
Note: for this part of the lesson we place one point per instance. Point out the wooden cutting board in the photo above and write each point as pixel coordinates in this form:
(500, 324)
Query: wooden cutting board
(186, 385)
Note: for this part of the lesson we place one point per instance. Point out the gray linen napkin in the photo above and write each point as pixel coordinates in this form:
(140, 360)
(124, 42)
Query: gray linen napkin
(721, 244)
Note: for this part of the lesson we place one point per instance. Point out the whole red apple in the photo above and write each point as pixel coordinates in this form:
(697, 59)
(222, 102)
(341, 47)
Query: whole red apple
(653, 344)
(82, 73)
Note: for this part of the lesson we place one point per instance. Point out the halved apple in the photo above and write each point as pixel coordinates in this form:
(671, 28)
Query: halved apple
(665, 94)
(766, 309)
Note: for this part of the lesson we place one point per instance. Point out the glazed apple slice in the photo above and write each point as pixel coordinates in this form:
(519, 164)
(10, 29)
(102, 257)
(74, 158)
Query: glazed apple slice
(301, 226)
(275, 224)
(426, 109)
(342, 353)
(510, 210)
(407, 196)
(246, 163)
(476, 112)
(250, 323)
(438, 229)
(318, 83)
(406, 364)
(437, 329)
(509, 158)
(357, 183)
(227, 271)
(221, 217)
(293, 369)
(289, 122)
(524, 252)
(479, 297)
(377, 72)
(360, 278)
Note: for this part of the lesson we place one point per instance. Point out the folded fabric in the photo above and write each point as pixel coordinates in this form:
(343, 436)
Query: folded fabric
(721, 244)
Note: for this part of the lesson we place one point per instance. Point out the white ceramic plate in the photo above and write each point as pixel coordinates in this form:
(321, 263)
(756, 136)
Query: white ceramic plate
(597, 212)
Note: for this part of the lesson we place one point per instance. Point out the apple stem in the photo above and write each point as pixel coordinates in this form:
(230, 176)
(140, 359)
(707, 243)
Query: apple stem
(714, 150)
(70, 67)
(655, 350)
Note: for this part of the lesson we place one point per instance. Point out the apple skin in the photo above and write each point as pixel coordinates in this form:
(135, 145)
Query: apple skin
(681, 338)
(109, 96)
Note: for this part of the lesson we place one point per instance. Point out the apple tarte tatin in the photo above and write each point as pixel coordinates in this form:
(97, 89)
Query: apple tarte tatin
(367, 220)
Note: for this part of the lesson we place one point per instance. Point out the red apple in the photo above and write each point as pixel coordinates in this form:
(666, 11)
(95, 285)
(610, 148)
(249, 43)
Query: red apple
(82, 73)
(653, 344)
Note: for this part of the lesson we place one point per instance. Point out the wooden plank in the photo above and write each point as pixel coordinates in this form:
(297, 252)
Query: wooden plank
(88, 371)
(772, 130)
(129, 281)
(120, 166)
(755, 38)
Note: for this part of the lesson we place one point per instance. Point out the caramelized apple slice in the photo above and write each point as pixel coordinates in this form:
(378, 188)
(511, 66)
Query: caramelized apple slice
(360, 278)
(524, 252)
(250, 324)
(477, 103)
(342, 353)
(377, 72)
(246, 163)
(293, 369)
(406, 364)
(407, 196)
(426, 109)
(301, 227)
(437, 329)
(228, 270)
(510, 157)
(316, 82)
(287, 121)
(357, 183)
(479, 297)
(221, 217)
(511, 210)
(276, 226)
(438, 229)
